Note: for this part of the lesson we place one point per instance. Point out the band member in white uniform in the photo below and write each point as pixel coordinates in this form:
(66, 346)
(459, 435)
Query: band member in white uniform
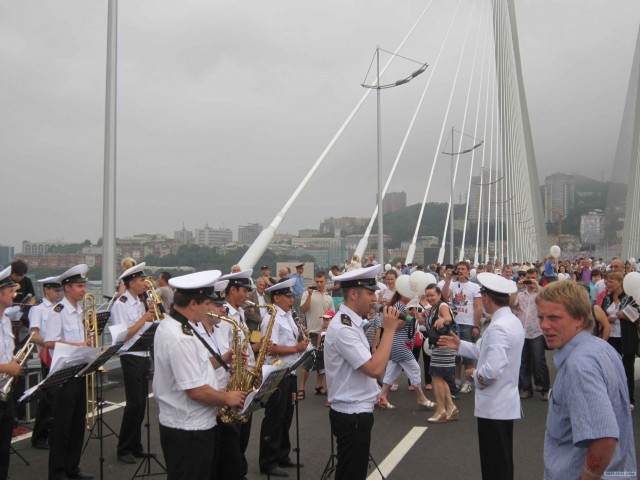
(131, 312)
(496, 376)
(8, 368)
(234, 438)
(185, 384)
(66, 325)
(288, 342)
(38, 315)
(352, 370)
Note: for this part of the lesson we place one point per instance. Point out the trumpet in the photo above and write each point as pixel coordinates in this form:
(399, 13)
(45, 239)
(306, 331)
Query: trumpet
(154, 301)
(21, 357)
(89, 310)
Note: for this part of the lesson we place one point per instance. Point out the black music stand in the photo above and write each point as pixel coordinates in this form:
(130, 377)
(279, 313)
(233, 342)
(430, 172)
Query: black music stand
(95, 367)
(145, 344)
(259, 398)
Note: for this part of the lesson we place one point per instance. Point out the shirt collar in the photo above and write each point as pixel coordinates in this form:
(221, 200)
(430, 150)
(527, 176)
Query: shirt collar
(355, 318)
(567, 349)
(131, 298)
(69, 307)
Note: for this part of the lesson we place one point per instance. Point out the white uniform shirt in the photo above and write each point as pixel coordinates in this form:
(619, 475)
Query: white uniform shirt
(65, 323)
(285, 333)
(6, 343)
(496, 376)
(181, 363)
(345, 350)
(38, 315)
(126, 311)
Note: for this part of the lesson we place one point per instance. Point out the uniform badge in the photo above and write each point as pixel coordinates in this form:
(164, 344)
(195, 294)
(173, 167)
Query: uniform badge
(37, 303)
(123, 299)
(58, 308)
(346, 320)
(186, 330)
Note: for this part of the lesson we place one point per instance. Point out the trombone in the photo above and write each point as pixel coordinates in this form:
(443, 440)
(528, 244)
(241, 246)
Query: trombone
(89, 310)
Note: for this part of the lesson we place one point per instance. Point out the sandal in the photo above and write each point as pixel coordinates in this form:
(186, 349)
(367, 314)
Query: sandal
(394, 387)
(321, 391)
(301, 394)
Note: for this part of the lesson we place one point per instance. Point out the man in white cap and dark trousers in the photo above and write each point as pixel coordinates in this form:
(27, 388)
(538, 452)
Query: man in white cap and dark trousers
(185, 384)
(288, 342)
(497, 401)
(66, 325)
(131, 312)
(38, 316)
(352, 370)
(234, 438)
(8, 366)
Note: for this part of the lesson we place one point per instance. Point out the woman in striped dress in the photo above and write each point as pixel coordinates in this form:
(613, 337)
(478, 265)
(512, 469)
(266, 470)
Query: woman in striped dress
(402, 359)
(443, 360)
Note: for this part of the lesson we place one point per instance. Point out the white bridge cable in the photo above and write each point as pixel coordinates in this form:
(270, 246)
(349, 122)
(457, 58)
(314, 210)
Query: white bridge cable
(486, 252)
(260, 245)
(362, 244)
(475, 129)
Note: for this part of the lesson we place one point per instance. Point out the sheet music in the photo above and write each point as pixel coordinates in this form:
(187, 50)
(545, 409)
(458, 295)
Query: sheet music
(69, 355)
(248, 401)
(118, 333)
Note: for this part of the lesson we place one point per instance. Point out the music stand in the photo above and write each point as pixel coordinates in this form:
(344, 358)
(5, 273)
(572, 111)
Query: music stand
(145, 344)
(258, 398)
(91, 368)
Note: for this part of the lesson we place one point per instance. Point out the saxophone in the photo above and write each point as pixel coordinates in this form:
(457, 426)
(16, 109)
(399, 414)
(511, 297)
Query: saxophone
(242, 379)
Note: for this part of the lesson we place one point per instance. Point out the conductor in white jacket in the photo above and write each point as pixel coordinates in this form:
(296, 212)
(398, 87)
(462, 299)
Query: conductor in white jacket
(497, 400)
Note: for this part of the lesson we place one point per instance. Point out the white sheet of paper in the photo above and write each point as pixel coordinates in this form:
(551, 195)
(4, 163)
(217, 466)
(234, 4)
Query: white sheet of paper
(118, 332)
(631, 313)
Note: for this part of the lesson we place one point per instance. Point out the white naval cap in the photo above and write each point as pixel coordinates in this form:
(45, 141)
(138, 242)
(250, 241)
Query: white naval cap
(282, 288)
(218, 291)
(51, 282)
(497, 283)
(198, 283)
(240, 279)
(133, 272)
(77, 274)
(5, 278)
(362, 277)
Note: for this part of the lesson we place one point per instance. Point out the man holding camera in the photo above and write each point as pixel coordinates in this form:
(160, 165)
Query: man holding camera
(466, 302)
(533, 351)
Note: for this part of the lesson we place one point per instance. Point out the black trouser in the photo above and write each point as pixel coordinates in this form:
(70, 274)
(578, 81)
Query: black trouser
(628, 361)
(234, 439)
(187, 453)
(353, 439)
(7, 415)
(135, 371)
(43, 421)
(274, 433)
(496, 448)
(67, 431)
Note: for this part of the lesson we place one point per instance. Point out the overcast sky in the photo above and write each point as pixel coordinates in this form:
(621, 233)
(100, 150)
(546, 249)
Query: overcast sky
(223, 106)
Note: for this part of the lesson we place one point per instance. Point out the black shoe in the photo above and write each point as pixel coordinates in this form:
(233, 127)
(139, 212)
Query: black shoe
(276, 472)
(290, 464)
(42, 445)
(80, 474)
(130, 459)
(143, 454)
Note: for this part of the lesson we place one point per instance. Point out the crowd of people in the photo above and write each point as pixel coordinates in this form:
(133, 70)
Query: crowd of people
(363, 332)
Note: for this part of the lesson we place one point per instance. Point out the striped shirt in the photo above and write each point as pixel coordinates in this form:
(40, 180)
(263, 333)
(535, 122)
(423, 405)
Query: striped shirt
(589, 400)
(399, 350)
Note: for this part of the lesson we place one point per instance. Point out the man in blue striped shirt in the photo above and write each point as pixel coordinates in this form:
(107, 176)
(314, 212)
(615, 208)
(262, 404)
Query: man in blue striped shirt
(589, 426)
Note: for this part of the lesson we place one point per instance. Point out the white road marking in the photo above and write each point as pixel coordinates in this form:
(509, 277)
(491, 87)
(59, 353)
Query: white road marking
(397, 454)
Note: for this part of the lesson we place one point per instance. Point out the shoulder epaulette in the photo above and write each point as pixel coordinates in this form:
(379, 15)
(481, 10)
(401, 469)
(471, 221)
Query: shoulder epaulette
(38, 302)
(346, 319)
(186, 330)
(123, 299)
(58, 308)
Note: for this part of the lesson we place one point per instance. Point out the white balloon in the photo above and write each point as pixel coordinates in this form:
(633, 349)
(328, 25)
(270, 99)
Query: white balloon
(555, 251)
(631, 284)
(418, 281)
(403, 288)
(431, 278)
(387, 267)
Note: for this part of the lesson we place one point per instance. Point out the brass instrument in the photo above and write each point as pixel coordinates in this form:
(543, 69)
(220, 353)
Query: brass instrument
(90, 313)
(154, 301)
(21, 357)
(242, 379)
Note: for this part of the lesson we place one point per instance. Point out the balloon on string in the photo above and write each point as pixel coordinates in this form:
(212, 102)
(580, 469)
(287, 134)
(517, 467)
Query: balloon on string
(387, 267)
(403, 288)
(431, 278)
(418, 282)
(631, 284)
(555, 251)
